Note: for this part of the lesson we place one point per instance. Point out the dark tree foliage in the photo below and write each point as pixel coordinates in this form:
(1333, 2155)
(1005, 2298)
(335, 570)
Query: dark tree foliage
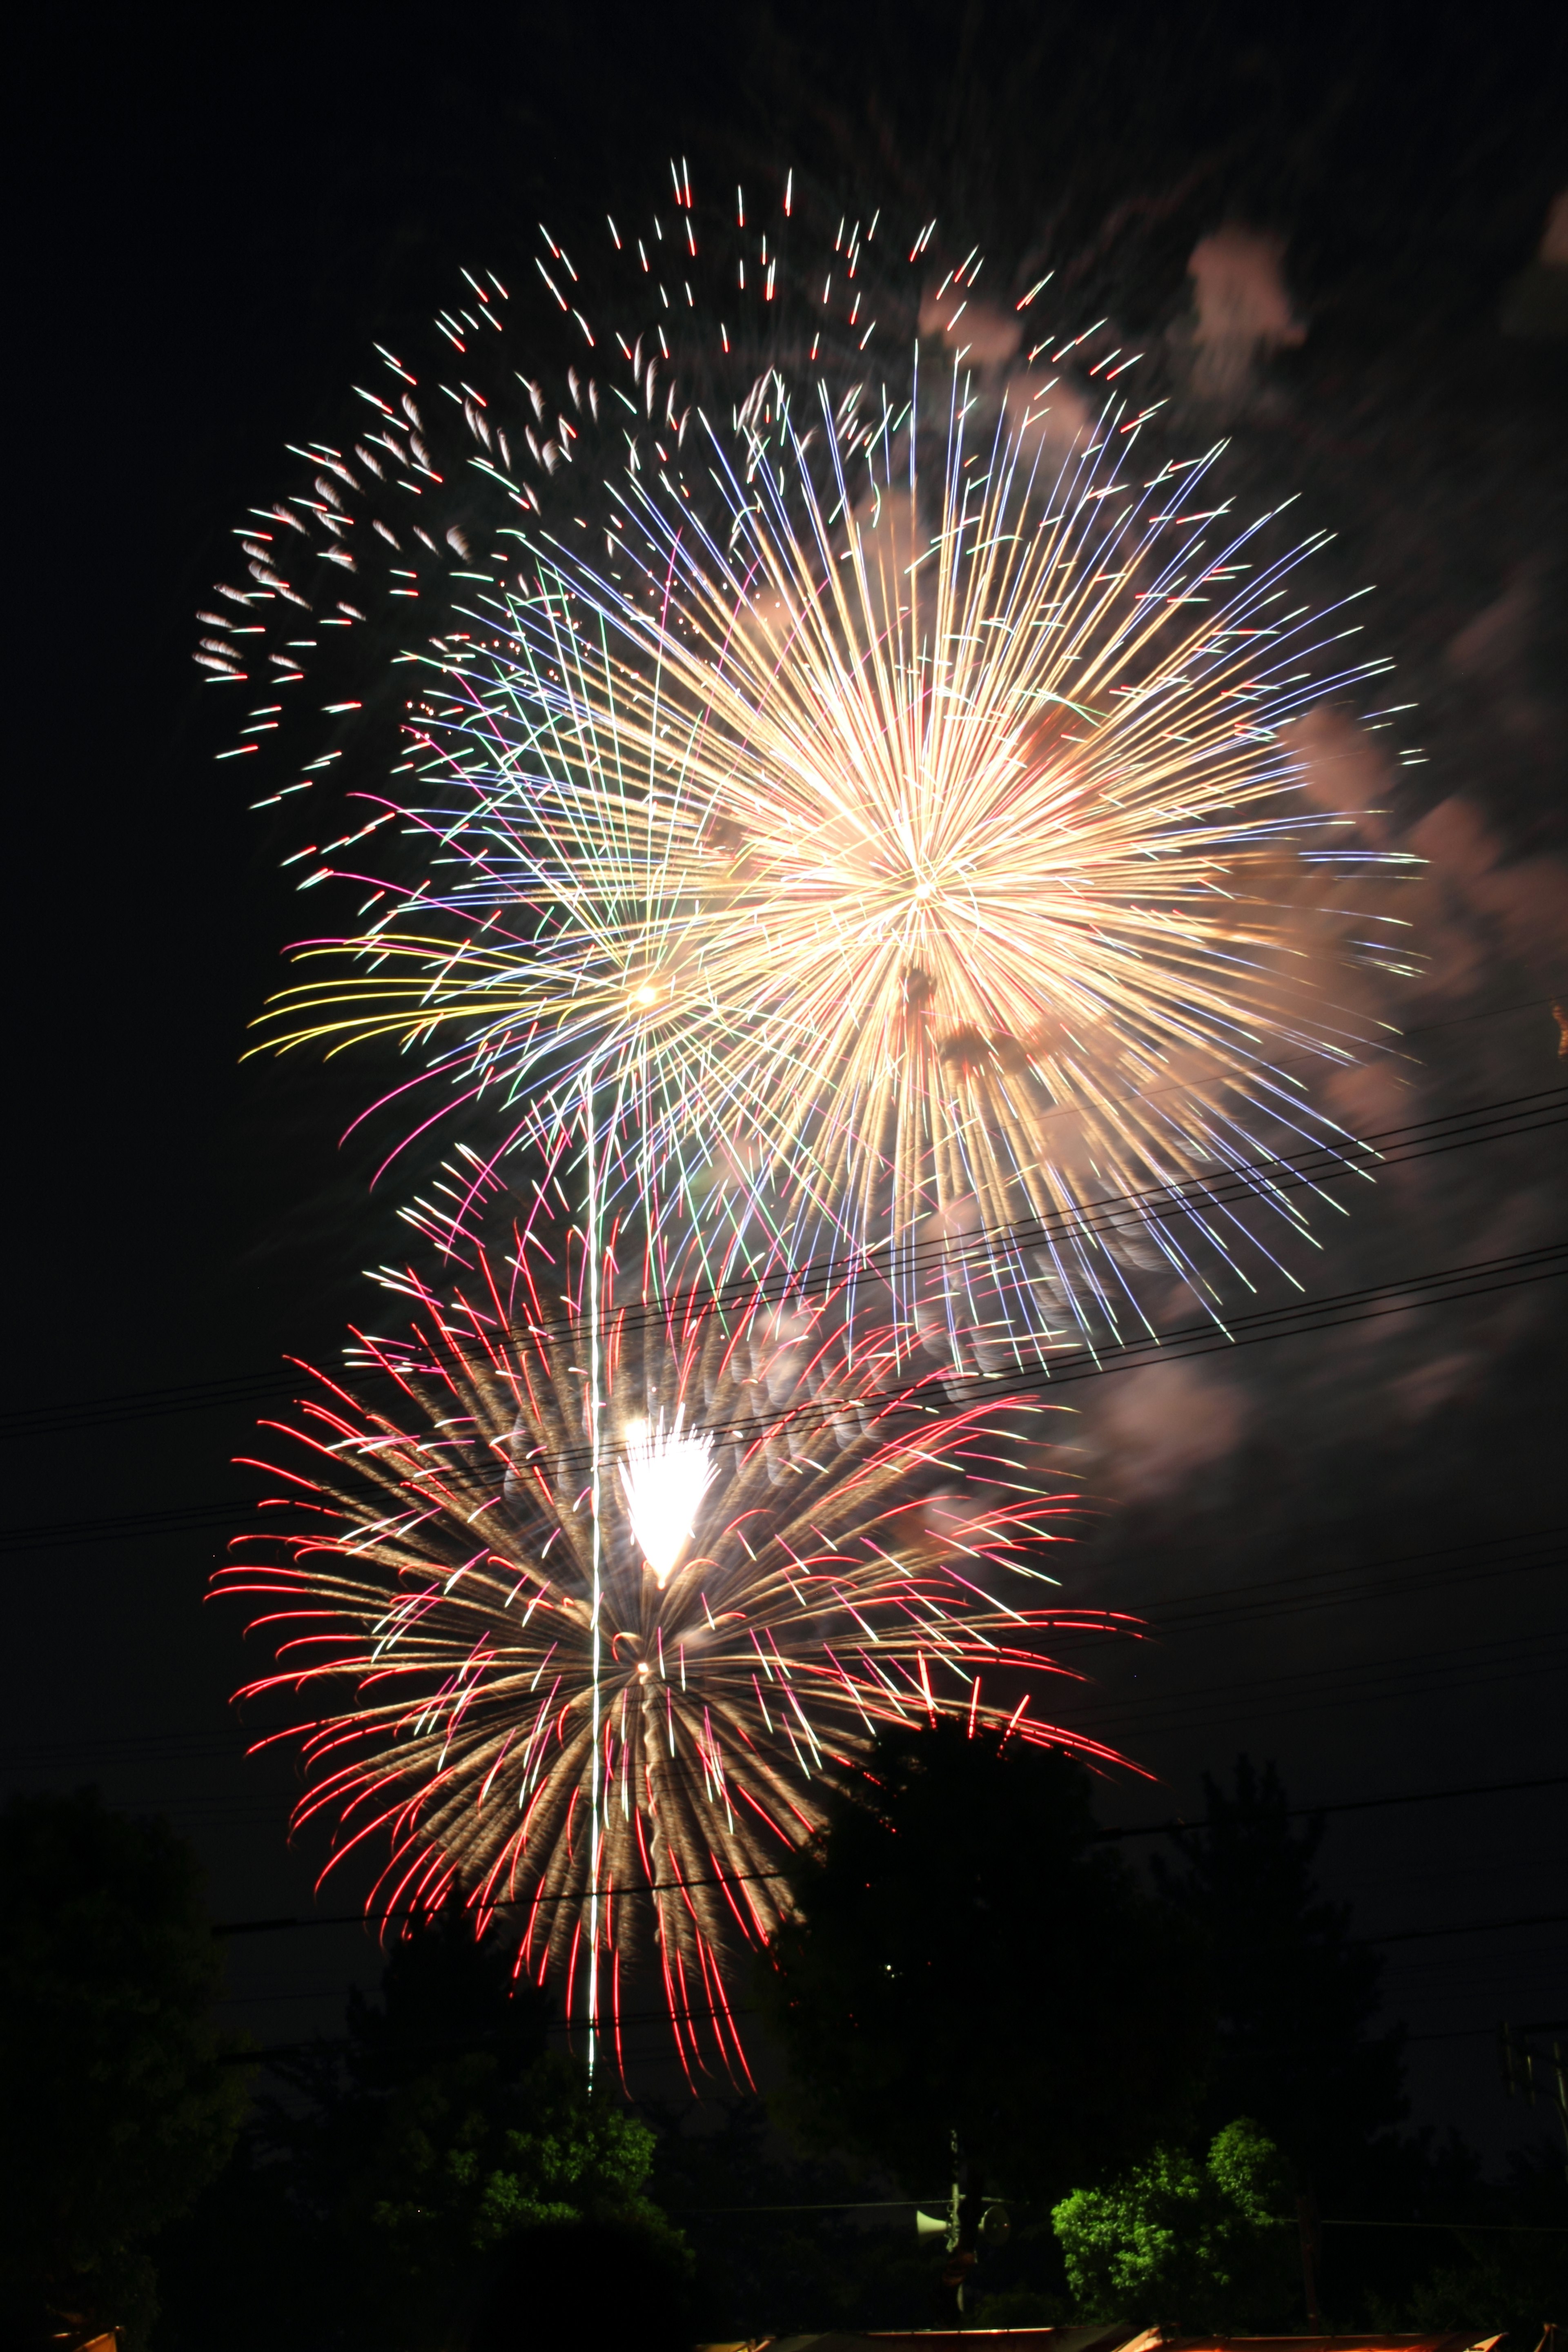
(1296, 1994)
(117, 2108)
(780, 2249)
(1299, 2048)
(445, 1997)
(377, 2199)
(964, 1958)
(1508, 2278)
(594, 2284)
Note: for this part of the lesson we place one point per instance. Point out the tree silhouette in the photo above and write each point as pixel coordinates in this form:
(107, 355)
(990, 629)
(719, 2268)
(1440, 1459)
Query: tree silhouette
(377, 2197)
(965, 1958)
(118, 2109)
(1295, 1994)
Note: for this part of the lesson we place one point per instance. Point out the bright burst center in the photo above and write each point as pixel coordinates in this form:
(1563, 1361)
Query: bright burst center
(666, 1474)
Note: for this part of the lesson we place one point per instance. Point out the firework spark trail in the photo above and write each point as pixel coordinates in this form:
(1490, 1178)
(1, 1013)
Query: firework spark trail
(896, 819)
(431, 1601)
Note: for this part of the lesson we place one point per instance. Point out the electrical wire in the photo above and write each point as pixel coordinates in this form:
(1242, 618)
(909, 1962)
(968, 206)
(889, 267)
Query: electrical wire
(1359, 1584)
(1138, 1829)
(1445, 1285)
(1483, 1123)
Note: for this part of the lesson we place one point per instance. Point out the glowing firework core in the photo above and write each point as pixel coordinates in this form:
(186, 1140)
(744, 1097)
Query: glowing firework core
(666, 1474)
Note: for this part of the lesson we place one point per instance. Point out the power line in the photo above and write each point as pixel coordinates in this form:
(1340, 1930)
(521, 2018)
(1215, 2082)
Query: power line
(1018, 2204)
(1245, 1180)
(1175, 1825)
(1479, 1278)
(321, 2042)
(1445, 1285)
(1358, 1585)
(826, 2205)
(1484, 2032)
(1106, 1719)
(1469, 1560)
(1470, 1927)
(1334, 1588)
(1512, 2228)
(751, 2009)
(1548, 1262)
(1483, 1123)
(1139, 1829)
(1383, 1682)
(129, 1525)
(1379, 1680)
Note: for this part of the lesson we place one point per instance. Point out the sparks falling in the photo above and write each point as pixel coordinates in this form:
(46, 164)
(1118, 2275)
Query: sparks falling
(771, 1591)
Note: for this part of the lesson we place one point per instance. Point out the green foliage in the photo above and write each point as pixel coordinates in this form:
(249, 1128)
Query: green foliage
(117, 2110)
(457, 2128)
(1299, 2047)
(1498, 2282)
(451, 2170)
(379, 2199)
(792, 2259)
(1184, 2244)
(964, 1957)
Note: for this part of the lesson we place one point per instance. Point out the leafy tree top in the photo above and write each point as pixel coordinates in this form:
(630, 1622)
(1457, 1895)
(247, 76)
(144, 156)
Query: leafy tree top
(1183, 2242)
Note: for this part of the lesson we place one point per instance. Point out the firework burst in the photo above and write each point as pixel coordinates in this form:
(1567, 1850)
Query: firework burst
(885, 839)
(610, 1725)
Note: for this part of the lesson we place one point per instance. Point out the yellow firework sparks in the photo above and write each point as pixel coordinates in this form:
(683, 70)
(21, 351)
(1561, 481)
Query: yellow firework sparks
(899, 848)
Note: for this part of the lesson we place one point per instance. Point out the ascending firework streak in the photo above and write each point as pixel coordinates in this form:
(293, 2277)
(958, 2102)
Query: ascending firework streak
(772, 1592)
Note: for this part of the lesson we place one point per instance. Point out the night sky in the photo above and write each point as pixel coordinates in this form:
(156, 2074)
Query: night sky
(1347, 1543)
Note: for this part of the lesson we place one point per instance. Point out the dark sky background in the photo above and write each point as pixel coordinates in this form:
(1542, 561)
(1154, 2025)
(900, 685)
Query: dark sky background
(1348, 1543)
